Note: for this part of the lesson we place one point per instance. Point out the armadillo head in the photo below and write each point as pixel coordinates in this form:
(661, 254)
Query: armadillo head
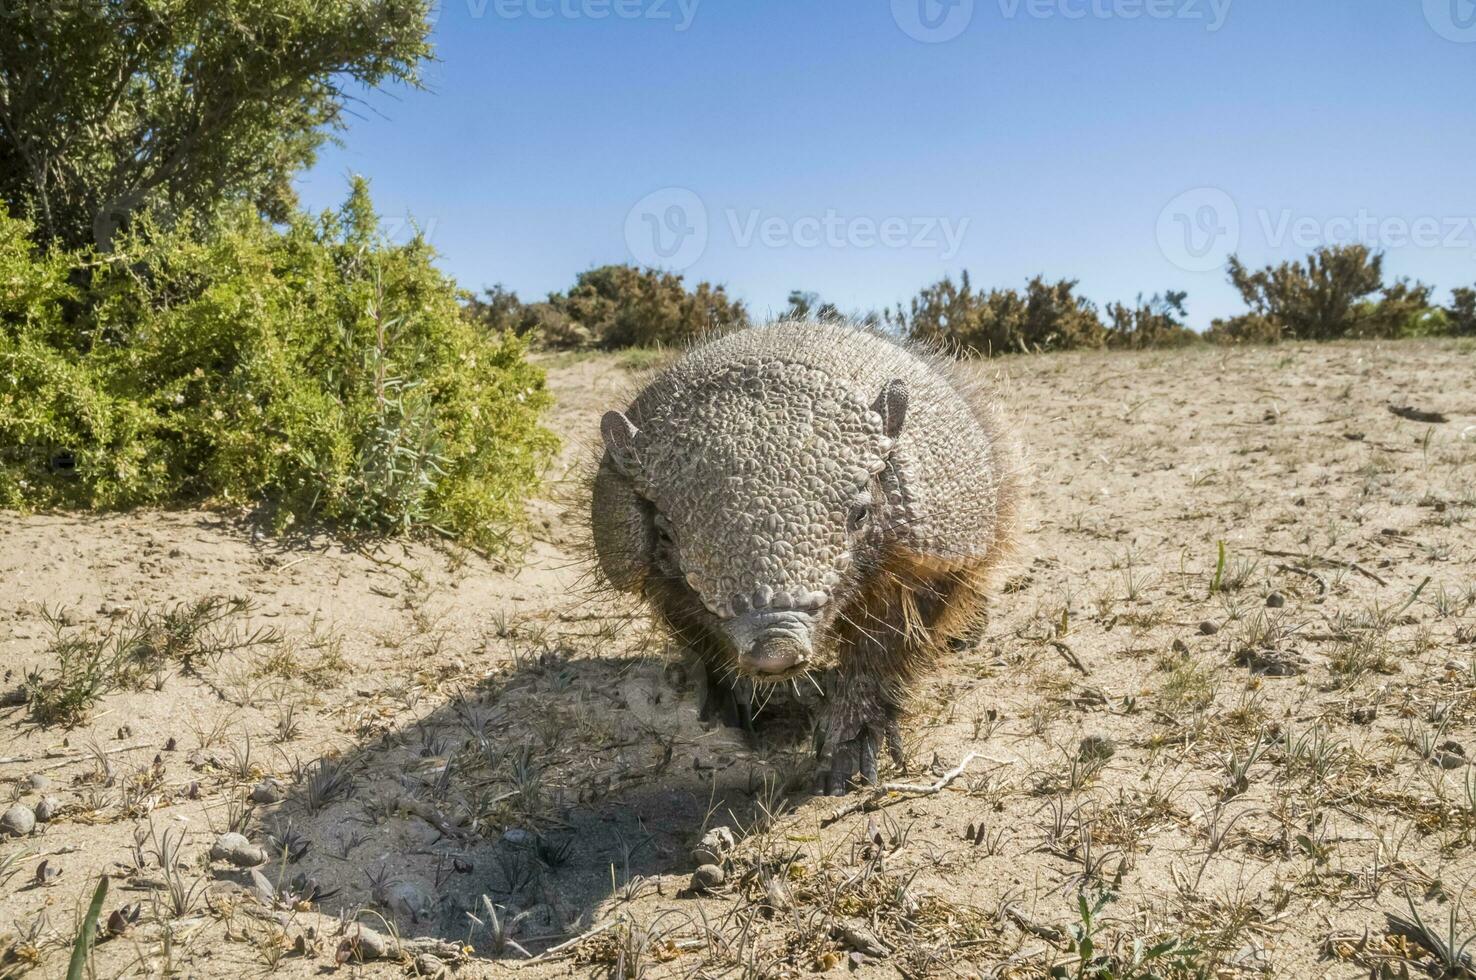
(750, 500)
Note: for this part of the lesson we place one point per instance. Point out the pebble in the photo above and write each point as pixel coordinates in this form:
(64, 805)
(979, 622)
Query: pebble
(268, 791)
(1364, 715)
(47, 808)
(363, 944)
(46, 873)
(236, 849)
(1275, 600)
(715, 846)
(1209, 627)
(429, 966)
(18, 821)
(517, 836)
(708, 877)
(39, 782)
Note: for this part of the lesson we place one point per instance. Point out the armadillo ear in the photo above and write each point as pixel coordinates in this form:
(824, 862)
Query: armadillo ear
(891, 405)
(618, 433)
(624, 536)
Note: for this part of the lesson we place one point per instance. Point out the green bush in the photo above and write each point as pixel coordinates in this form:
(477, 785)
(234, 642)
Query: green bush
(1461, 313)
(1247, 328)
(319, 371)
(1048, 316)
(1156, 323)
(544, 324)
(622, 306)
(1337, 292)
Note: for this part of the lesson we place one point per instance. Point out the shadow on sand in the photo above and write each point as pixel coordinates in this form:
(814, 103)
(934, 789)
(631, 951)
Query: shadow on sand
(559, 782)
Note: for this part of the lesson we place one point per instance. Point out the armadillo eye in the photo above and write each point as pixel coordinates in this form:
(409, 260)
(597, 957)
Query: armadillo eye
(859, 517)
(663, 531)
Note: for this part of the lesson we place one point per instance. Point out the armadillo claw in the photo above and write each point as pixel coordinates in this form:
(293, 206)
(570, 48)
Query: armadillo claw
(857, 757)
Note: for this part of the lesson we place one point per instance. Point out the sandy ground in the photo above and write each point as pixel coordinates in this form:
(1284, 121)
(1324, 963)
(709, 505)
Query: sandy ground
(1248, 760)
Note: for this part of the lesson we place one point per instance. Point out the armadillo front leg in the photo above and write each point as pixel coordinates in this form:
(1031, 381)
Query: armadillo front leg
(857, 720)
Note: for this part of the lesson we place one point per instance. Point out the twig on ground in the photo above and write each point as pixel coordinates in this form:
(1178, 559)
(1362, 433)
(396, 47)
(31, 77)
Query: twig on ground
(1351, 566)
(567, 946)
(1071, 657)
(889, 793)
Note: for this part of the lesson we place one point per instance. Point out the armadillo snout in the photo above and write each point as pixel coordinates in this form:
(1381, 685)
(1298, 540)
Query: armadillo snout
(770, 644)
(776, 655)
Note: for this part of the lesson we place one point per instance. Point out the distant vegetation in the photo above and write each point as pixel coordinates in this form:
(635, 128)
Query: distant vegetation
(1335, 293)
(613, 306)
(173, 329)
(1338, 292)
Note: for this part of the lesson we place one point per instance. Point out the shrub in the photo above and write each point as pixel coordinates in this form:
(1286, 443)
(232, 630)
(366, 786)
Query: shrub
(500, 310)
(1461, 313)
(809, 306)
(1248, 328)
(1049, 316)
(622, 306)
(1156, 323)
(1338, 292)
(543, 324)
(803, 305)
(319, 370)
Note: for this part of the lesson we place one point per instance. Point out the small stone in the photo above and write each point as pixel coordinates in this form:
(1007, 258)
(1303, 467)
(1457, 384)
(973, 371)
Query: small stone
(18, 821)
(39, 782)
(47, 808)
(268, 791)
(125, 731)
(1364, 715)
(430, 966)
(236, 849)
(363, 944)
(1209, 627)
(46, 872)
(714, 847)
(707, 878)
(517, 836)
(1275, 600)
(1448, 760)
(1180, 647)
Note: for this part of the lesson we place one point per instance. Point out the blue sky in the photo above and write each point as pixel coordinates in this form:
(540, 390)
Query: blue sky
(863, 148)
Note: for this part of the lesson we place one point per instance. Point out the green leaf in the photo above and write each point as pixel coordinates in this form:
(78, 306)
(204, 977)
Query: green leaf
(77, 966)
